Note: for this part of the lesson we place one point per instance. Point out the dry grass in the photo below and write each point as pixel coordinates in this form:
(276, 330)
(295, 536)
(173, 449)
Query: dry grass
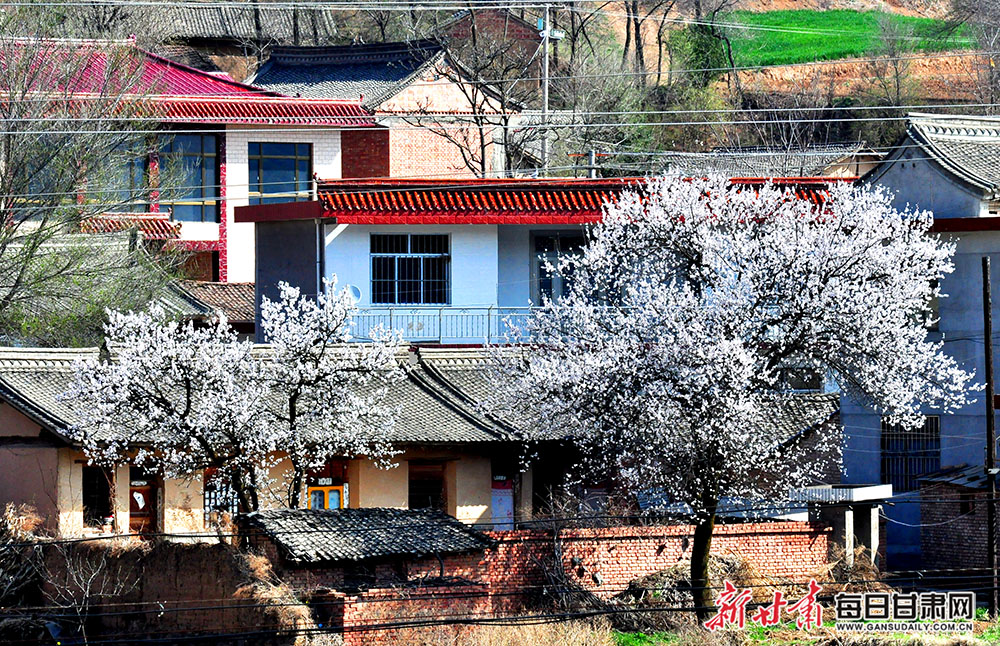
(20, 522)
(570, 633)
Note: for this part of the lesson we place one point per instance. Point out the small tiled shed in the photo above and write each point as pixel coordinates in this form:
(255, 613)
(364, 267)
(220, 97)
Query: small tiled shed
(352, 549)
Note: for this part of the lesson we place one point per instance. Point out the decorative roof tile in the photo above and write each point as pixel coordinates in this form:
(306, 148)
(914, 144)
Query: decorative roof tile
(482, 201)
(375, 72)
(966, 146)
(235, 300)
(309, 536)
(177, 93)
(152, 226)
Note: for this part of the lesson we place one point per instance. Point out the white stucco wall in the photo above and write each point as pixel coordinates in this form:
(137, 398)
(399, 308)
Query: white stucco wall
(473, 251)
(326, 164)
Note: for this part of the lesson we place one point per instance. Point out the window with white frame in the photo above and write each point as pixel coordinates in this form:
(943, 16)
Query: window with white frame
(909, 453)
(409, 269)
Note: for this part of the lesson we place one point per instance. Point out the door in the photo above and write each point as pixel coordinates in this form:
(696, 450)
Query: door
(502, 502)
(142, 492)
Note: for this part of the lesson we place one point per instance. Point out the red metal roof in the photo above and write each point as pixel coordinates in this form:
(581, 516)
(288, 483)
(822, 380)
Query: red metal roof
(152, 226)
(177, 93)
(476, 201)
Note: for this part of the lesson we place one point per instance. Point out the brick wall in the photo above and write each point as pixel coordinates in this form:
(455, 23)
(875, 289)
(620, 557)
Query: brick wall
(602, 561)
(362, 617)
(366, 153)
(954, 533)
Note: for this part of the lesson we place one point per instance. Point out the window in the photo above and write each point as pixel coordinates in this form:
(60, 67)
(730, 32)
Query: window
(96, 496)
(909, 453)
(132, 189)
(280, 173)
(427, 485)
(548, 283)
(218, 497)
(409, 269)
(191, 164)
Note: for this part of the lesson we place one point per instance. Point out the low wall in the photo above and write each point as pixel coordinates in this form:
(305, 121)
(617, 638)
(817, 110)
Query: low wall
(395, 615)
(509, 577)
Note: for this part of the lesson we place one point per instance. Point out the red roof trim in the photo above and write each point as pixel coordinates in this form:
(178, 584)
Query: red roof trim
(956, 225)
(477, 201)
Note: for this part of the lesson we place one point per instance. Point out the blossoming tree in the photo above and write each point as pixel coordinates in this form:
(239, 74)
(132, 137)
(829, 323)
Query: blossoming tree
(180, 399)
(666, 359)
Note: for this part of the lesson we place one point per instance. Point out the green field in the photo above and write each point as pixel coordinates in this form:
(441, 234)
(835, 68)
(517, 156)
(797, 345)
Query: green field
(784, 37)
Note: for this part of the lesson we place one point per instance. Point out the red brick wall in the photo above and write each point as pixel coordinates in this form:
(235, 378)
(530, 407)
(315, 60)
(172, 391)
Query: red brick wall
(363, 617)
(602, 561)
(365, 153)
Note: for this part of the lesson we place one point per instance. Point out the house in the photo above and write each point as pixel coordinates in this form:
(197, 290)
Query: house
(434, 121)
(444, 261)
(953, 524)
(238, 145)
(348, 549)
(831, 160)
(452, 459)
(950, 165)
(234, 37)
(494, 29)
(234, 300)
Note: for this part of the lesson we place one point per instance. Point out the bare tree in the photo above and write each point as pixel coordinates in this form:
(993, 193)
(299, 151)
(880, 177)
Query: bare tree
(80, 576)
(982, 17)
(493, 77)
(76, 131)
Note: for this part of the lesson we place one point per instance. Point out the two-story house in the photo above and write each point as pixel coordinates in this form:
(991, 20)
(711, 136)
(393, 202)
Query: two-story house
(237, 145)
(950, 165)
(436, 123)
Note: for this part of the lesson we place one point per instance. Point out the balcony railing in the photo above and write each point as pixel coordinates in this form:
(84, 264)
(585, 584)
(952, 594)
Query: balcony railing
(443, 324)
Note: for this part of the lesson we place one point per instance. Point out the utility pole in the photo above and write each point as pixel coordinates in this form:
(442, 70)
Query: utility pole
(545, 92)
(991, 452)
(592, 164)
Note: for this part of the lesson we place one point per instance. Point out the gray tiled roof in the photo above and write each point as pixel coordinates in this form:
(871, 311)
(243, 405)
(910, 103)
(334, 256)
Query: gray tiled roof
(236, 24)
(799, 413)
(320, 536)
(376, 71)
(760, 161)
(32, 379)
(966, 146)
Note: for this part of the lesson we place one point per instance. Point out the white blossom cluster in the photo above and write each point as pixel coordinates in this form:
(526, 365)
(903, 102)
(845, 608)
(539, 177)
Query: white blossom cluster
(693, 298)
(180, 398)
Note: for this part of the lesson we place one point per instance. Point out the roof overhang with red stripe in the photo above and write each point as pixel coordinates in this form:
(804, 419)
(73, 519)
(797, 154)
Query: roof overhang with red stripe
(478, 201)
(260, 110)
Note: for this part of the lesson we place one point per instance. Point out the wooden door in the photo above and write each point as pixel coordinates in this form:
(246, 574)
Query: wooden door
(142, 492)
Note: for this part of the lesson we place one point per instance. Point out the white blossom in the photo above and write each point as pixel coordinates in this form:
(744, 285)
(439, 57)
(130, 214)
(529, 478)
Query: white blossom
(180, 398)
(664, 362)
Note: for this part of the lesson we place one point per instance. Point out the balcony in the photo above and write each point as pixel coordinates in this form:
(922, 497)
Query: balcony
(443, 324)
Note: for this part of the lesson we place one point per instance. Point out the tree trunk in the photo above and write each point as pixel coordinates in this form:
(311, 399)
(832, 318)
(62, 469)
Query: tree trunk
(295, 489)
(700, 550)
(628, 32)
(640, 54)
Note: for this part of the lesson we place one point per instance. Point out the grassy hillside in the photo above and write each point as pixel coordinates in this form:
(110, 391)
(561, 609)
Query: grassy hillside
(777, 38)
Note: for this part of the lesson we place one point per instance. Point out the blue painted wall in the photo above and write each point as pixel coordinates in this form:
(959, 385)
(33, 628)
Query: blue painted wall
(922, 183)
